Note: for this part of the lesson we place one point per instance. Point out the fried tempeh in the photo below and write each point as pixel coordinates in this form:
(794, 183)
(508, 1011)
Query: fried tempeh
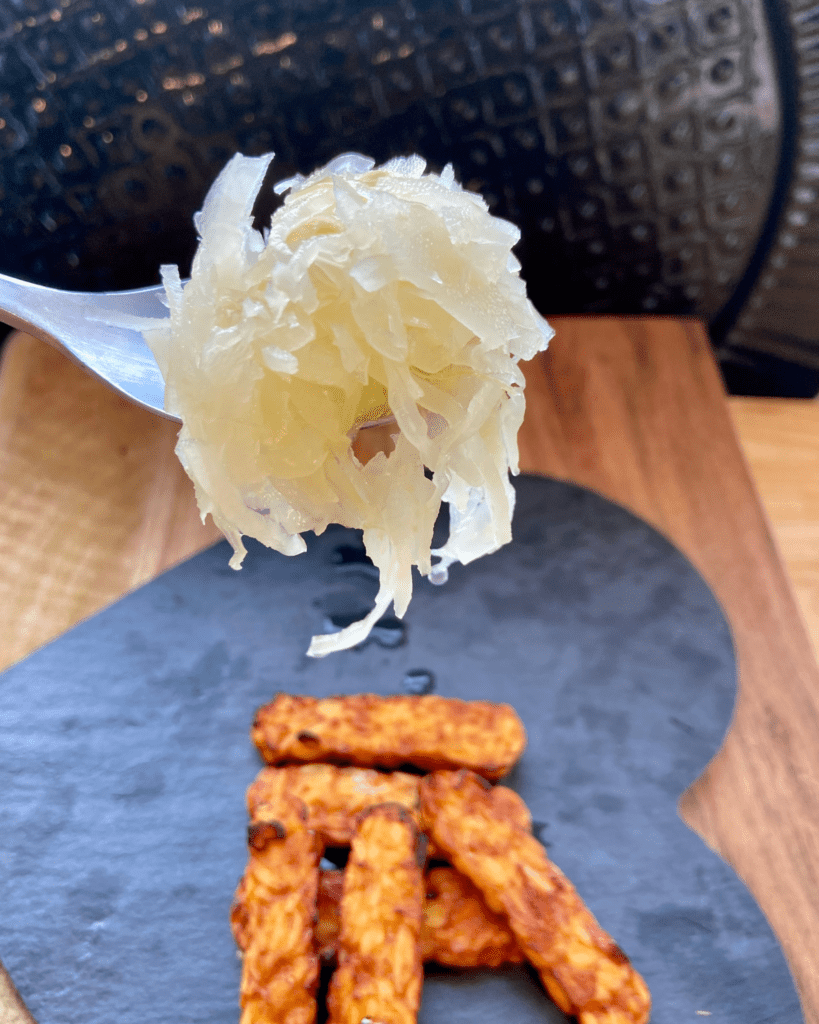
(273, 917)
(582, 968)
(333, 796)
(458, 929)
(328, 915)
(379, 974)
(430, 732)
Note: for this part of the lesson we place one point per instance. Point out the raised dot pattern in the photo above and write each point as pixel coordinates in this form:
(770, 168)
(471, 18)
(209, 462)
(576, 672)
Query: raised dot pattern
(625, 139)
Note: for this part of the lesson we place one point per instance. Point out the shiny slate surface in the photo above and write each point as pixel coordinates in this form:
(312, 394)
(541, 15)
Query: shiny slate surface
(124, 757)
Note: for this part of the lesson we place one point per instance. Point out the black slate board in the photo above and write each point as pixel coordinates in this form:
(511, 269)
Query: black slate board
(124, 757)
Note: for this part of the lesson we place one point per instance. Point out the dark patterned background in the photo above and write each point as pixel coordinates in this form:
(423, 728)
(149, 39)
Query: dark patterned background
(638, 145)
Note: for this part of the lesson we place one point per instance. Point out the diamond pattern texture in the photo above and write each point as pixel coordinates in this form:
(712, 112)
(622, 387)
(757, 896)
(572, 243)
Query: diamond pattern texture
(634, 143)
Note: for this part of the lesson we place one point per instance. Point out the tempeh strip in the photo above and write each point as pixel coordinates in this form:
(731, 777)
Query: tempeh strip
(458, 929)
(379, 974)
(273, 918)
(430, 732)
(582, 968)
(333, 796)
(328, 915)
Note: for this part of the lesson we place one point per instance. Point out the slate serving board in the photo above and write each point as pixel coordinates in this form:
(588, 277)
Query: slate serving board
(124, 757)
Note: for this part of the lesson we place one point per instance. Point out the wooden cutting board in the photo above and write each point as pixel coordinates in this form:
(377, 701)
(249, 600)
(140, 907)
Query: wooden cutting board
(94, 504)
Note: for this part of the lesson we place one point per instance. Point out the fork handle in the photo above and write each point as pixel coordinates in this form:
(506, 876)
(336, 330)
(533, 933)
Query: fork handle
(75, 322)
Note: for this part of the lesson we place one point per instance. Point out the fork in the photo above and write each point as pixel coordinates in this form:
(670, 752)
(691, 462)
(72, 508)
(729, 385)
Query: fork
(74, 322)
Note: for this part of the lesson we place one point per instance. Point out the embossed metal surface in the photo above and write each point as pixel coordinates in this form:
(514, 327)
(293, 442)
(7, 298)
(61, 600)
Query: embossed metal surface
(125, 757)
(634, 142)
(779, 315)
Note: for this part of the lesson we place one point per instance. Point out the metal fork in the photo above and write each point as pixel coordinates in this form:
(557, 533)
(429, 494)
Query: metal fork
(75, 323)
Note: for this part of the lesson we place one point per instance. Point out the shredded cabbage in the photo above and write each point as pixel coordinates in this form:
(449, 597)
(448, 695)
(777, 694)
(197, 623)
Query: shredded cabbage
(377, 295)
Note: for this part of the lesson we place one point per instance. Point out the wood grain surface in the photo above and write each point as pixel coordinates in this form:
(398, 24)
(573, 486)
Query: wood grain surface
(94, 503)
(780, 439)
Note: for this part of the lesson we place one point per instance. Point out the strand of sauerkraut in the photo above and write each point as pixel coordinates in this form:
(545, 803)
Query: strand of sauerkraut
(377, 295)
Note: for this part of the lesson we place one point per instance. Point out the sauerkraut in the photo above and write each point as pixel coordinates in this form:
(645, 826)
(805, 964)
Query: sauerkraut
(381, 295)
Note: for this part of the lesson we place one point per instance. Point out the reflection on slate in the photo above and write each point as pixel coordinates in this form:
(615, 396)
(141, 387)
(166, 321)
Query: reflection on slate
(125, 757)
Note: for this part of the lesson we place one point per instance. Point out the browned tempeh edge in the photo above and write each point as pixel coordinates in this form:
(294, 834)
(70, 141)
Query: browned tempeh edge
(273, 918)
(380, 971)
(325, 790)
(458, 929)
(581, 967)
(374, 731)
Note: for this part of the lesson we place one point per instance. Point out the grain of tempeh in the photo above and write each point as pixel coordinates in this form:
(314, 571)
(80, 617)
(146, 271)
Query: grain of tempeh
(335, 796)
(458, 929)
(429, 732)
(273, 918)
(581, 966)
(380, 973)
